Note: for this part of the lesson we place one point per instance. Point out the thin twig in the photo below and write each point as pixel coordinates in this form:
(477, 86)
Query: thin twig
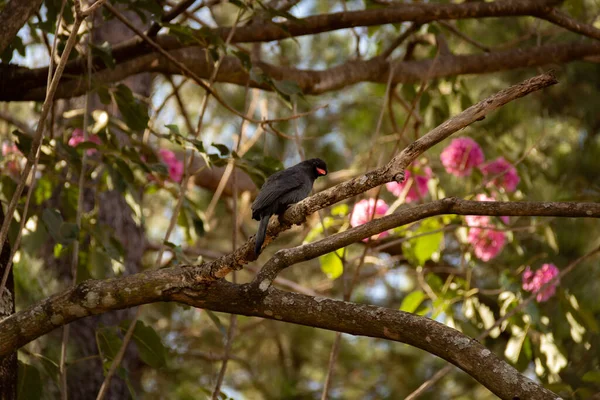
(464, 37)
(172, 59)
(37, 139)
(119, 356)
(400, 39)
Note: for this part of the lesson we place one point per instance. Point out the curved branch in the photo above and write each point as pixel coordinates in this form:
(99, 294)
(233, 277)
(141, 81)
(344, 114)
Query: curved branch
(379, 322)
(406, 215)
(12, 81)
(175, 284)
(392, 171)
(268, 31)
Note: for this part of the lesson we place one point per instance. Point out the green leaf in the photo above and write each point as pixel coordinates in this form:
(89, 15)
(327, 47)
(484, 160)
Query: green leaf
(53, 221)
(104, 53)
(412, 301)
(134, 112)
(108, 342)
(29, 385)
(244, 59)
(332, 265)
(152, 351)
(223, 150)
(174, 129)
(103, 94)
(213, 317)
(43, 190)
(289, 88)
(591, 376)
(423, 247)
(340, 210)
(68, 232)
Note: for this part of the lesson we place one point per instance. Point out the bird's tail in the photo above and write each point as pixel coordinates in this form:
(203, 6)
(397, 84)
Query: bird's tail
(260, 235)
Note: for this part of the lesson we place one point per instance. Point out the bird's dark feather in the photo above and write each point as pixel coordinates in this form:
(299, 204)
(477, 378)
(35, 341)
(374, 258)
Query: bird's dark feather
(278, 189)
(281, 190)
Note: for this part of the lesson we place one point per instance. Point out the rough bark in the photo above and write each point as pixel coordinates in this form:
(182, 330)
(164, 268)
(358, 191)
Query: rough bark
(32, 85)
(13, 17)
(8, 364)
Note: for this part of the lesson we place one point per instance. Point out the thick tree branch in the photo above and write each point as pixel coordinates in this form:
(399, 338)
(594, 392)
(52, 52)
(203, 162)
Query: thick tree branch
(379, 322)
(392, 171)
(406, 215)
(175, 284)
(13, 17)
(419, 13)
(310, 81)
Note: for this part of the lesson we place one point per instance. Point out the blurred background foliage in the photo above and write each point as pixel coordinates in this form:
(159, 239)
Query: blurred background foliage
(552, 137)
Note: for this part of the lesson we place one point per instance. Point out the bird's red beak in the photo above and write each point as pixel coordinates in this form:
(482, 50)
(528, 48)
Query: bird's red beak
(321, 171)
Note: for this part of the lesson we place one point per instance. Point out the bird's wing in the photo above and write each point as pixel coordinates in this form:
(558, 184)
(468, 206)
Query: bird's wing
(276, 186)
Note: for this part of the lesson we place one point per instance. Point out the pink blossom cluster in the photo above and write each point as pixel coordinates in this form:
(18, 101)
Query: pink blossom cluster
(78, 137)
(174, 165)
(417, 176)
(363, 212)
(13, 159)
(501, 173)
(487, 242)
(533, 281)
(10, 148)
(463, 154)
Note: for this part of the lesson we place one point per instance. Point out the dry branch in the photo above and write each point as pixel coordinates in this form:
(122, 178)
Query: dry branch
(297, 213)
(200, 284)
(406, 215)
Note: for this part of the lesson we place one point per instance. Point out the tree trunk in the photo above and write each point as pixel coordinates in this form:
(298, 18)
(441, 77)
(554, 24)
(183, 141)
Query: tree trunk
(8, 365)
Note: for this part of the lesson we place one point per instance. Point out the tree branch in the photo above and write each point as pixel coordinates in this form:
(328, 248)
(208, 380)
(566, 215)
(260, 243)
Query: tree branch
(406, 215)
(310, 81)
(563, 20)
(13, 17)
(297, 213)
(175, 284)
(419, 13)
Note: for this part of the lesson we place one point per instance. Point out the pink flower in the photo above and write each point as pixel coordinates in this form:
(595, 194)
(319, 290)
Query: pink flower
(13, 167)
(533, 281)
(77, 137)
(363, 212)
(461, 156)
(501, 173)
(174, 165)
(417, 179)
(482, 220)
(9, 149)
(487, 243)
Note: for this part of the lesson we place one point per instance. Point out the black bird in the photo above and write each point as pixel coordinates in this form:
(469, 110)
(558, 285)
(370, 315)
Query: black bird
(282, 189)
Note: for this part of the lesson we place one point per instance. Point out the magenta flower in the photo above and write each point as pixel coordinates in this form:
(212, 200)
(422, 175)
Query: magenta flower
(487, 243)
(461, 156)
(9, 149)
(13, 167)
(363, 212)
(501, 173)
(533, 281)
(482, 220)
(417, 177)
(174, 165)
(77, 137)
